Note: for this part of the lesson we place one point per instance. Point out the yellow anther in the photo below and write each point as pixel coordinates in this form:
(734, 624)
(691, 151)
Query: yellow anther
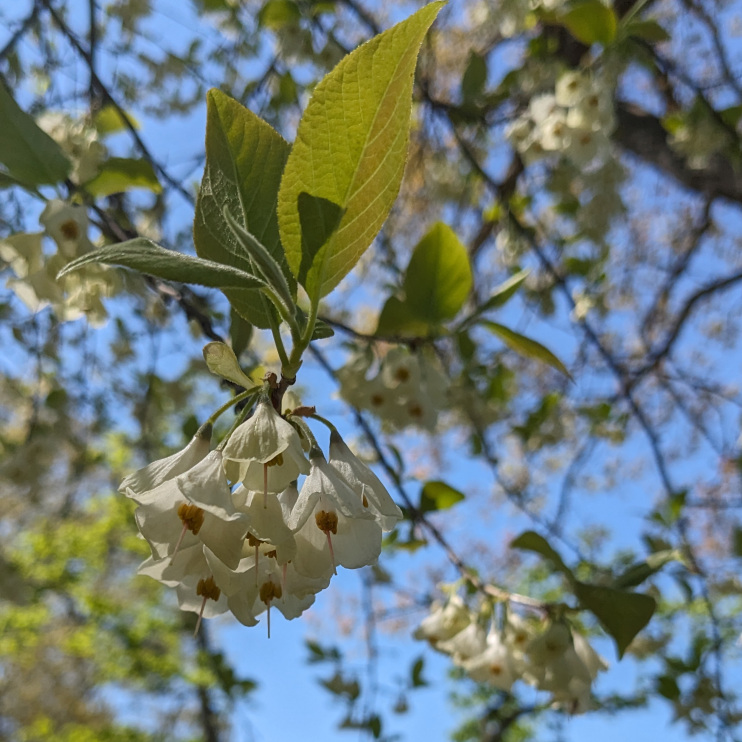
(415, 410)
(377, 400)
(207, 587)
(70, 230)
(276, 460)
(365, 501)
(270, 591)
(402, 374)
(252, 541)
(327, 521)
(272, 554)
(192, 517)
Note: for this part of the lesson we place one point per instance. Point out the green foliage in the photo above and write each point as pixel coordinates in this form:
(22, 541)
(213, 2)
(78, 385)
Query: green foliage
(147, 257)
(622, 614)
(244, 161)
(436, 284)
(591, 21)
(30, 155)
(438, 496)
(222, 361)
(122, 174)
(350, 150)
(525, 346)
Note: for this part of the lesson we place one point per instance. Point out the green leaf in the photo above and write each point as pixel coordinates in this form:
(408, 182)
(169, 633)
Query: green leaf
(222, 361)
(505, 291)
(263, 262)
(318, 218)
(591, 22)
(322, 330)
(417, 673)
(525, 346)
(475, 77)
(147, 257)
(438, 278)
(240, 332)
(244, 161)
(108, 120)
(276, 14)
(30, 154)
(396, 320)
(121, 174)
(532, 541)
(438, 496)
(637, 573)
(350, 149)
(649, 31)
(622, 614)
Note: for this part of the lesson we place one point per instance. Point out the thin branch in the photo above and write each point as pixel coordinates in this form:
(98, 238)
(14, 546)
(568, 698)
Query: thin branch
(108, 98)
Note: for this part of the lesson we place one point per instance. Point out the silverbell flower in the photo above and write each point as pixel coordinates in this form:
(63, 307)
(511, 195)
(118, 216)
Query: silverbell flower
(332, 524)
(265, 453)
(371, 492)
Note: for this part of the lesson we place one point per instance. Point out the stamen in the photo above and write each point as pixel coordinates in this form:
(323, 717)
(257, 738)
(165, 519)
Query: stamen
(200, 616)
(332, 552)
(206, 587)
(179, 542)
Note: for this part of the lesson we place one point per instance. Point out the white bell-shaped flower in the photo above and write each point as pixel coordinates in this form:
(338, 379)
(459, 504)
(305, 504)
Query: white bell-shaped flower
(444, 622)
(162, 470)
(496, 665)
(468, 643)
(265, 452)
(371, 492)
(330, 518)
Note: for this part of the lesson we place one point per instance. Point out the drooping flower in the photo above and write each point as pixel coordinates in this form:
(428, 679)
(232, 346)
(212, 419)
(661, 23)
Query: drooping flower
(330, 520)
(364, 483)
(265, 452)
(162, 470)
(445, 621)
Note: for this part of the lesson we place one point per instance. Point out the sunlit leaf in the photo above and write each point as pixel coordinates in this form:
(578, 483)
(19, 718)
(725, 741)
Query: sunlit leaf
(350, 150)
(525, 346)
(438, 496)
(121, 174)
(590, 22)
(438, 278)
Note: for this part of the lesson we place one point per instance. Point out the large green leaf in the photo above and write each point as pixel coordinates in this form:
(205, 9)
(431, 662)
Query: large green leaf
(396, 320)
(147, 257)
(438, 278)
(591, 21)
(30, 154)
(622, 614)
(525, 346)
(120, 174)
(244, 161)
(350, 150)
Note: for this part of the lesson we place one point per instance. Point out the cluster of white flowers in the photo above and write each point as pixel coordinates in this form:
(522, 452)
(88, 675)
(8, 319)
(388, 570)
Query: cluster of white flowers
(78, 140)
(403, 389)
(231, 532)
(34, 271)
(553, 658)
(575, 120)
